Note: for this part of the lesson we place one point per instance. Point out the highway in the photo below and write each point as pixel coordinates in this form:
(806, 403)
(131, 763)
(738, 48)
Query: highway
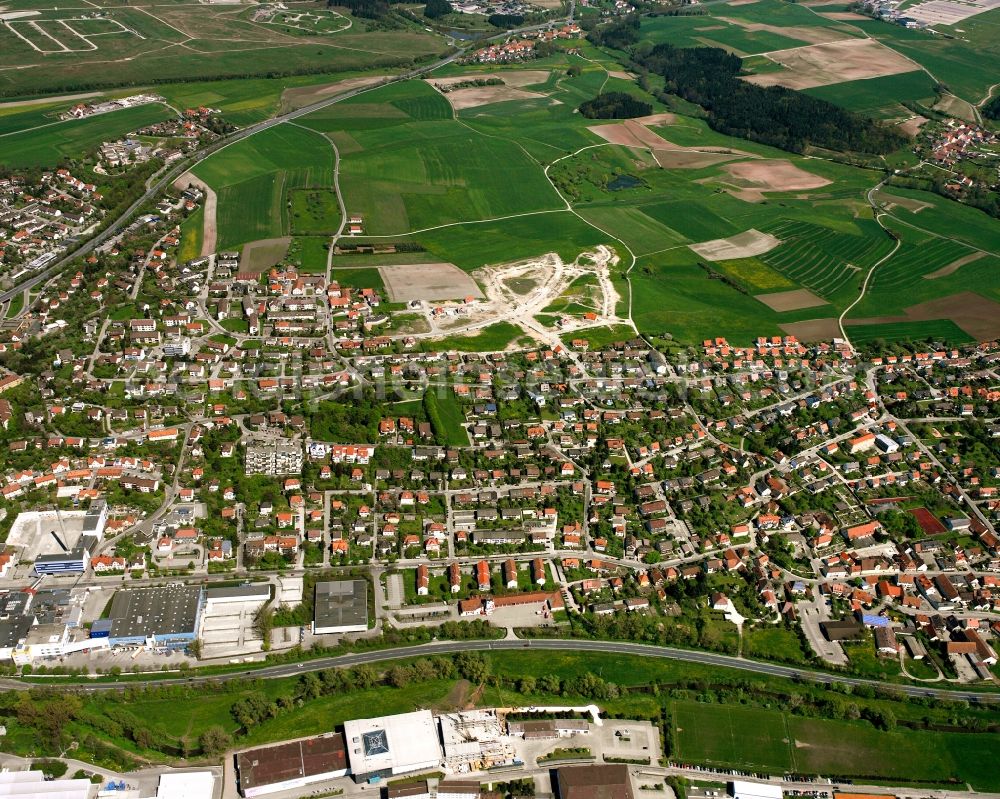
(562, 645)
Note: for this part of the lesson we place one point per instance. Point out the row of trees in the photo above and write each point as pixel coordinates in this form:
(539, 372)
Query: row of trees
(773, 115)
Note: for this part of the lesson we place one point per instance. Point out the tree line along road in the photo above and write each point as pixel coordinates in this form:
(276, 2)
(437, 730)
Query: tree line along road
(450, 647)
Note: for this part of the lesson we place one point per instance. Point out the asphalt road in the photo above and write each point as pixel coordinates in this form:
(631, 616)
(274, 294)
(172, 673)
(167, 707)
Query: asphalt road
(610, 647)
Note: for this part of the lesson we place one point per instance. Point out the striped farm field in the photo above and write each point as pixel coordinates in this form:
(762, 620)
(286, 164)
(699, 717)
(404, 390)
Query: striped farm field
(821, 259)
(913, 261)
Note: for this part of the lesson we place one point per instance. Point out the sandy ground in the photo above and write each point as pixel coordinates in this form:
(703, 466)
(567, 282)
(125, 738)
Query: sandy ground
(742, 245)
(210, 230)
(441, 281)
(804, 34)
(833, 62)
(261, 255)
(302, 96)
(752, 178)
(954, 266)
(794, 300)
(812, 329)
(976, 315)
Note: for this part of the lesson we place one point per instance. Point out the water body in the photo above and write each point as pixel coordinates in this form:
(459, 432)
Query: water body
(624, 182)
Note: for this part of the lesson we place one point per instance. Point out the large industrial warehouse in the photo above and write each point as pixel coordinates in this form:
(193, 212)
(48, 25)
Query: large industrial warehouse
(392, 745)
(291, 765)
(340, 606)
(153, 617)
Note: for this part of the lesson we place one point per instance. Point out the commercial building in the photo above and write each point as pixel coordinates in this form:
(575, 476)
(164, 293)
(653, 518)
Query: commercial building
(740, 789)
(291, 765)
(186, 785)
(69, 561)
(33, 785)
(340, 606)
(383, 747)
(155, 617)
(594, 782)
(474, 740)
(458, 789)
(274, 458)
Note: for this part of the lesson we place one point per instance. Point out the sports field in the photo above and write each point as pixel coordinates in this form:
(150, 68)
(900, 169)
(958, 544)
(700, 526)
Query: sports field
(777, 742)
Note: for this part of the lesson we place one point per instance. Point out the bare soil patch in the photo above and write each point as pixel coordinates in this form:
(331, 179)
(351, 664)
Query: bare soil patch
(810, 35)
(261, 255)
(976, 315)
(794, 300)
(911, 127)
(210, 228)
(691, 159)
(812, 329)
(665, 118)
(630, 133)
(440, 281)
(302, 96)
(954, 266)
(747, 244)
(833, 62)
(753, 178)
(617, 73)
(475, 96)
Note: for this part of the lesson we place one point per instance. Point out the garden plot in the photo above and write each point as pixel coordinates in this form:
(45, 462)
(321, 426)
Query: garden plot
(66, 34)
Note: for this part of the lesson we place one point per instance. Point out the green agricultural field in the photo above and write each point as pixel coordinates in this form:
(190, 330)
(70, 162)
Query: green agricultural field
(358, 278)
(881, 98)
(142, 44)
(600, 337)
(255, 177)
(192, 235)
(314, 212)
(61, 142)
(417, 168)
(934, 330)
(709, 31)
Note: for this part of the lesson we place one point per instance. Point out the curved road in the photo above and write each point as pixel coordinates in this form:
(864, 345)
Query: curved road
(449, 647)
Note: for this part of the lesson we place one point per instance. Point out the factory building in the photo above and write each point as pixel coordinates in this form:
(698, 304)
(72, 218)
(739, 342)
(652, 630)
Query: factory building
(290, 765)
(400, 744)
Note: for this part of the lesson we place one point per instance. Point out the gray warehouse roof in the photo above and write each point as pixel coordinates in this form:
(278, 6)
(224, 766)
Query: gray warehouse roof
(154, 611)
(341, 603)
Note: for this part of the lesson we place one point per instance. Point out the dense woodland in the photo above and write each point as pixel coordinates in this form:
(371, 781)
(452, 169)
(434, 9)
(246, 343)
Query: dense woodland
(992, 109)
(437, 8)
(615, 105)
(780, 117)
